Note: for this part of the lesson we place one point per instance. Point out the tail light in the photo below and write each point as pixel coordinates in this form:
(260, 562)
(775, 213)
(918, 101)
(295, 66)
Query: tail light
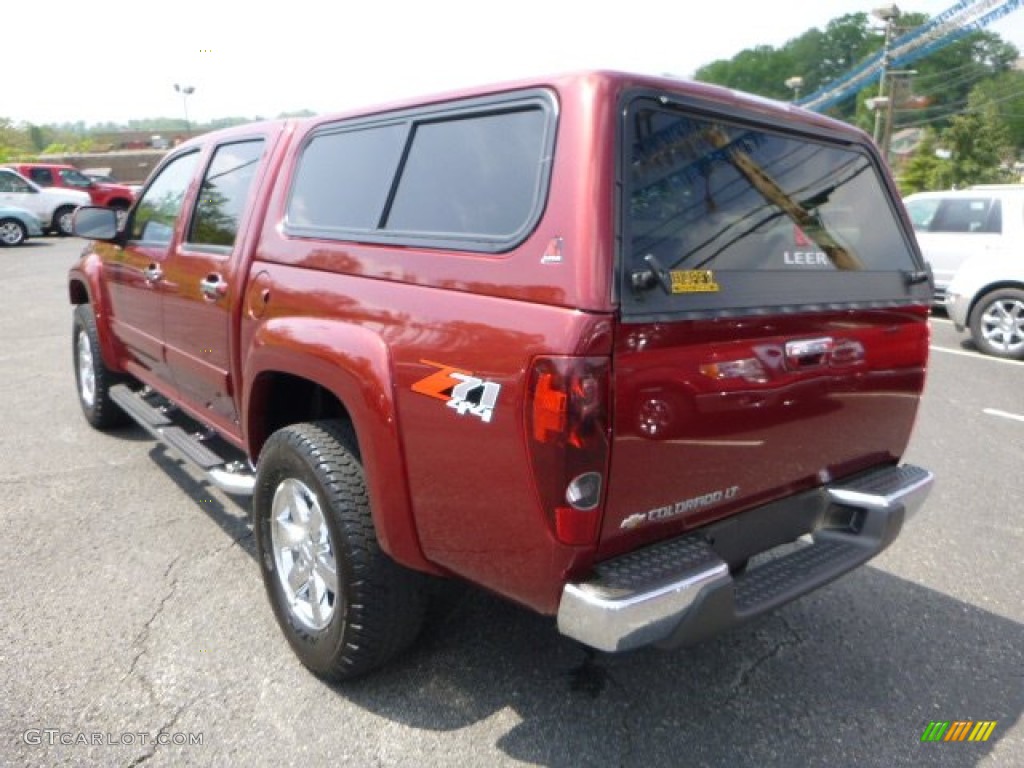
(567, 435)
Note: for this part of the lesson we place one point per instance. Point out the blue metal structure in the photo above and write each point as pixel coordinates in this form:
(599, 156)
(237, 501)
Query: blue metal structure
(964, 17)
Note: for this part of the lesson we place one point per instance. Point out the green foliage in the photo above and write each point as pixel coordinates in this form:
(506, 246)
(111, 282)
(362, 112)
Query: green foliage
(1005, 92)
(925, 170)
(979, 148)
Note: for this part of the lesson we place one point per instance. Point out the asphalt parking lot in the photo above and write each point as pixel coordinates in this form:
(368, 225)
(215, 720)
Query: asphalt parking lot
(131, 606)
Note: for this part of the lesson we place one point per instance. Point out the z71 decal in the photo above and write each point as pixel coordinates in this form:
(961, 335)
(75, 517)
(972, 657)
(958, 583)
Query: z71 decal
(460, 390)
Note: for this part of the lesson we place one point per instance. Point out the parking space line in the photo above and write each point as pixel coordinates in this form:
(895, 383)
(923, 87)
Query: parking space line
(945, 320)
(1003, 414)
(975, 355)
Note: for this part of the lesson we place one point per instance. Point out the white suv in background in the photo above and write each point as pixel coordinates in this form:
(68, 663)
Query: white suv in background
(52, 206)
(955, 225)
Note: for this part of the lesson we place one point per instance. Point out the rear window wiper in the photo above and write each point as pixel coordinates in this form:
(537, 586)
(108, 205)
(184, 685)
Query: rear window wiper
(655, 274)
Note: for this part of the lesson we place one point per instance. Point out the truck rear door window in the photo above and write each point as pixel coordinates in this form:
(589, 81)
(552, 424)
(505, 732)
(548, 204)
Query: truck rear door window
(224, 193)
(724, 216)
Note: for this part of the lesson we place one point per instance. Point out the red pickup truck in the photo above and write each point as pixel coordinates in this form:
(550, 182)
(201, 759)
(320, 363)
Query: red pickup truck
(637, 353)
(117, 196)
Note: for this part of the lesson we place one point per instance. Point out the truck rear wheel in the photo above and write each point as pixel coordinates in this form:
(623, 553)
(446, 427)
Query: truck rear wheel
(92, 377)
(345, 607)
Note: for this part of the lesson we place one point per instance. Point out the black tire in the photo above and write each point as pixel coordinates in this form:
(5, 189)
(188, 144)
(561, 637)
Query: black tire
(12, 232)
(62, 220)
(997, 323)
(97, 406)
(377, 608)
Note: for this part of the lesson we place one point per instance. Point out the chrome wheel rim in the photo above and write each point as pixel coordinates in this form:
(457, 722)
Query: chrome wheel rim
(303, 554)
(10, 233)
(65, 222)
(1002, 325)
(86, 370)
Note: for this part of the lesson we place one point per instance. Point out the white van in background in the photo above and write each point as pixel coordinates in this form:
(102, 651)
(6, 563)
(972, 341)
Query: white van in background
(954, 225)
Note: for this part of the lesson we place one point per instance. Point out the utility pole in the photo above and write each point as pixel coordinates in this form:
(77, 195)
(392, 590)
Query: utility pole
(185, 91)
(888, 14)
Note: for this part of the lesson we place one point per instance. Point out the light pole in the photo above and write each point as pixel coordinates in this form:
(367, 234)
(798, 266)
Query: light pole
(795, 84)
(887, 14)
(185, 91)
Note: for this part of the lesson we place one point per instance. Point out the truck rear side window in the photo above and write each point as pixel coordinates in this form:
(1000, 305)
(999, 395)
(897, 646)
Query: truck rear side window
(344, 178)
(468, 176)
(739, 217)
(473, 176)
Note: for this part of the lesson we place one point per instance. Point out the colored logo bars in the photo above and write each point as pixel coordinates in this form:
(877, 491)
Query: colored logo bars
(958, 730)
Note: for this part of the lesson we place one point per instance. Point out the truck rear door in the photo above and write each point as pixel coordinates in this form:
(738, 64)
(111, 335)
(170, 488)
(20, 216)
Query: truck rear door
(773, 330)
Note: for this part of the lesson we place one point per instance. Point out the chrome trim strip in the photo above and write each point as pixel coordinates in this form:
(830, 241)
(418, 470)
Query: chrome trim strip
(635, 619)
(912, 487)
(232, 482)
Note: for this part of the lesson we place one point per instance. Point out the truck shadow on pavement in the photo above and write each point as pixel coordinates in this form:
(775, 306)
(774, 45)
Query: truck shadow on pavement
(849, 675)
(232, 518)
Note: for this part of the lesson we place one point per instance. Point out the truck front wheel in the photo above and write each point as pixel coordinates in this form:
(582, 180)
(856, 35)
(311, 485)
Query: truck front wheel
(92, 377)
(345, 607)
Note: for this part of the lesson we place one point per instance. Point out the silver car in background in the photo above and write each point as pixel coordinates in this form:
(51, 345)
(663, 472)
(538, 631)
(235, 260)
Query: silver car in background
(987, 297)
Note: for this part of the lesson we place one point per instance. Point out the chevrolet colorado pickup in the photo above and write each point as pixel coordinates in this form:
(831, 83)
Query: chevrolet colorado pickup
(637, 353)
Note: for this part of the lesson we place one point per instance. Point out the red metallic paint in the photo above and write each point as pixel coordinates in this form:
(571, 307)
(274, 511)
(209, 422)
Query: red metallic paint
(681, 435)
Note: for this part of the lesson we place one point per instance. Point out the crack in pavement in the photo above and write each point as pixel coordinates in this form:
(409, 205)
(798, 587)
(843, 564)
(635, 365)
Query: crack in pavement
(139, 641)
(744, 676)
(153, 745)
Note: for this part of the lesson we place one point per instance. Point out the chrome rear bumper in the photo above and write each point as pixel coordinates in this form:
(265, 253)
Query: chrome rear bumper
(680, 591)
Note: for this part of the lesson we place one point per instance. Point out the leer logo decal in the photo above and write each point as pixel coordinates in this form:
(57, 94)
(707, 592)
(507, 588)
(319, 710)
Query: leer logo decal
(460, 390)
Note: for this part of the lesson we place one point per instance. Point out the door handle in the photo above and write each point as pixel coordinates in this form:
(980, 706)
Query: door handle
(153, 273)
(808, 353)
(213, 286)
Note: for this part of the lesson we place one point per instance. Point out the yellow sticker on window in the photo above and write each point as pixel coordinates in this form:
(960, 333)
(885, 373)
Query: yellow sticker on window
(694, 281)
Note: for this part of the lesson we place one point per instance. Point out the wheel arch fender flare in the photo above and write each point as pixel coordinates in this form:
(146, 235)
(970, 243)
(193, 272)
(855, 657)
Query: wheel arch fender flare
(354, 364)
(86, 286)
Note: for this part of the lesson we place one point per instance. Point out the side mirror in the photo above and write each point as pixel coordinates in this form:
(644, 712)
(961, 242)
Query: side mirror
(95, 223)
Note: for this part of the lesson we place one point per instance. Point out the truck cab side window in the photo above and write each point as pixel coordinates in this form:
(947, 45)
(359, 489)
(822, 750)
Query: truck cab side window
(224, 193)
(157, 212)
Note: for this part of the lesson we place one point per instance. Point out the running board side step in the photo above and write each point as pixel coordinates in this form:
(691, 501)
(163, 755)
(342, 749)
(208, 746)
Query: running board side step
(226, 475)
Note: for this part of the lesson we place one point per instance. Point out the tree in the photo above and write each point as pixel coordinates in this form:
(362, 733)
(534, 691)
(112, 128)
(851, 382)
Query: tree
(925, 170)
(980, 147)
(1006, 92)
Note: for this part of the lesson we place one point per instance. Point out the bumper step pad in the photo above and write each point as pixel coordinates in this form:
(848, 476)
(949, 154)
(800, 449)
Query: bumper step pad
(680, 591)
(159, 423)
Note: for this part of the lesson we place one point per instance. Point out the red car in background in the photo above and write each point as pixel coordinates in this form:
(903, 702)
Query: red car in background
(117, 196)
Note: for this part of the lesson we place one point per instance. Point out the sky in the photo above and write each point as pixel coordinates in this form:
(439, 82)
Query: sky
(111, 60)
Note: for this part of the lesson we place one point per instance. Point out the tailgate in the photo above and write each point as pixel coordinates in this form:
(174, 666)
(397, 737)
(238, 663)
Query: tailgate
(713, 417)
